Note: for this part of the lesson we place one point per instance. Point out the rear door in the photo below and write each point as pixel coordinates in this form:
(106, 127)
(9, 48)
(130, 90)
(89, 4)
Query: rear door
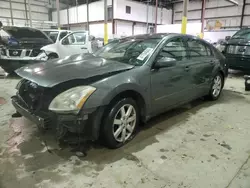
(202, 62)
(74, 43)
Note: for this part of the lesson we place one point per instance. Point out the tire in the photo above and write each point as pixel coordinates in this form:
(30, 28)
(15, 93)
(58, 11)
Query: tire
(9, 70)
(124, 125)
(216, 87)
(52, 56)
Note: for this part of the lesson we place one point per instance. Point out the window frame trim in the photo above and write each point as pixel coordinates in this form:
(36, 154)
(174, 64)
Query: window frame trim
(166, 42)
(201, 42)
(75, 38)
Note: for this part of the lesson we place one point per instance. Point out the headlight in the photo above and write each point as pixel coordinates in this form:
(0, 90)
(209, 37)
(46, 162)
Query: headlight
(71, 100)
(42, 56)
(19, 84)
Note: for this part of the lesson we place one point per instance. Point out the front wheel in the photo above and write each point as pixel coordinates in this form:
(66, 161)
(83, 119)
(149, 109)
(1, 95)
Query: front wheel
(216, 87)
(121, 123)
(52, 56)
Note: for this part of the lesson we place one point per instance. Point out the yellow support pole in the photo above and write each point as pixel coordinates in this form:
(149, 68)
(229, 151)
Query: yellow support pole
(105, 22)
(184, 17)
(184, 25)
(105, 33)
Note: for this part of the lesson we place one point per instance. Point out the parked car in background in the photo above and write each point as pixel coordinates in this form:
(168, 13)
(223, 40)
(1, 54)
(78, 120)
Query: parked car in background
(108, 93)
(237, 50)
(56, 35)
(220, 45)
(74, 43)
(21, 46)
(28, 46)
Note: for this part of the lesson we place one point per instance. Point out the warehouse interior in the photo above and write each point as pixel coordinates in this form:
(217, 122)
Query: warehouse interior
(124, 93)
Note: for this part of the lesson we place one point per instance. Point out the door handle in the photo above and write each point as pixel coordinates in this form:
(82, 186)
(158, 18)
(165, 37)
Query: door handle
(83, 48)
(212, 62)
(187, 68)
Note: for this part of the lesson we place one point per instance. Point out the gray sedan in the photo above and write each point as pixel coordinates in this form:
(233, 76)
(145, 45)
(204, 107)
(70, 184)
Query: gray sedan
(128, 81)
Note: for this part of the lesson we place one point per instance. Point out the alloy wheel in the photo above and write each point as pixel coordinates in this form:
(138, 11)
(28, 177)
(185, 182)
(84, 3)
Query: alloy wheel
(124, 123)
(216, 89)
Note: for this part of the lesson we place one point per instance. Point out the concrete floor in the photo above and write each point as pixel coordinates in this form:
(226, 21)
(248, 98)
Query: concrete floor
(200, 145)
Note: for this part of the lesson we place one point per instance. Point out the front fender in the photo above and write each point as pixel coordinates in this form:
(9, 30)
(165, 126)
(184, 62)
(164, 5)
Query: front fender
(51, 48)
(109, 88)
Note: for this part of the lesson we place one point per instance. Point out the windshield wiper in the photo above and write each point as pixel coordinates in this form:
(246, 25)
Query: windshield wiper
(238, 38)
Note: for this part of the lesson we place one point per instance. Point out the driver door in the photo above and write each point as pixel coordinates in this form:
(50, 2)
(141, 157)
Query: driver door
(169, 85)
(74, 43)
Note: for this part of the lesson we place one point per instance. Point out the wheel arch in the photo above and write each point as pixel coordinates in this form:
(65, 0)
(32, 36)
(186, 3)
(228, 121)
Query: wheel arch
(223, 76)
(54, 54)
(135, 95)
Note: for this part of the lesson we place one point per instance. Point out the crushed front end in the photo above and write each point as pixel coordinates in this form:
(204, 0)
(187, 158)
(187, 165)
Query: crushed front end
(32, 101)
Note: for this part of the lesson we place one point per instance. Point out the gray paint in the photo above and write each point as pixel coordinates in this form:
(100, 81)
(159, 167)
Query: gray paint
(161, 89)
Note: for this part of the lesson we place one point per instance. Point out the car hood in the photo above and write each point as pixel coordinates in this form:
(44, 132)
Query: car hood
(239, 42)
(25, 37)
(84, 66)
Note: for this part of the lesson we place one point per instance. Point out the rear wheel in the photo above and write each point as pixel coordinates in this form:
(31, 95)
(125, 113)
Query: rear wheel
(216, 87)
(120, 125)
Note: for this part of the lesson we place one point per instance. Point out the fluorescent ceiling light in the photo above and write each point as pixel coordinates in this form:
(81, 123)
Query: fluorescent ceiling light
(233, 1)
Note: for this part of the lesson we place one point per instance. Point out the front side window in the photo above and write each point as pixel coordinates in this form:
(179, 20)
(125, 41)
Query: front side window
(63, 34)
(52, 35)
(196, 48)
(129, 51)
(175, 49)
(75, 39)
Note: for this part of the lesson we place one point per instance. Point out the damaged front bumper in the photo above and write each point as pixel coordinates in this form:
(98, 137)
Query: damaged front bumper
(86, 123)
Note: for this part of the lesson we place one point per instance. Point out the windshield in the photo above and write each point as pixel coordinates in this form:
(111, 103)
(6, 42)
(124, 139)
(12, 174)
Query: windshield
(242, 34)
(129, 51)
(52, 34)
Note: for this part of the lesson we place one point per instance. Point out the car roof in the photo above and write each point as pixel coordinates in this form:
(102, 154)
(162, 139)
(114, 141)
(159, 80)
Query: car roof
(53, 30)
(158, 35)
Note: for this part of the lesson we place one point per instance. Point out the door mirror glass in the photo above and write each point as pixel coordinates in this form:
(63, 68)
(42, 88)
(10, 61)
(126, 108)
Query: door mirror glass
(165, 62)
(91, 38)
(227, 38)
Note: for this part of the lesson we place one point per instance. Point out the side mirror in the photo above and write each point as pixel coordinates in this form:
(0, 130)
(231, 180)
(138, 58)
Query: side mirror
(91, 38)
(227, 38)
(65, 41)
(165, 62)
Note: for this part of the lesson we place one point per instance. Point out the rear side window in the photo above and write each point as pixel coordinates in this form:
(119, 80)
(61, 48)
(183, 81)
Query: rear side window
(174, 49)
(198, 49)
(209, 51)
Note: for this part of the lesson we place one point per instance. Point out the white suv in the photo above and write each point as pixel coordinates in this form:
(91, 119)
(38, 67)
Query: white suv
(67, 43)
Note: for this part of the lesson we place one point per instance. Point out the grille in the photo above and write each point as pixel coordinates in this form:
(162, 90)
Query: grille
(3, 52)
(33, 98)
(31, 94)
(35, 52)
(27, 53)
(240, 50)
(15, 53)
